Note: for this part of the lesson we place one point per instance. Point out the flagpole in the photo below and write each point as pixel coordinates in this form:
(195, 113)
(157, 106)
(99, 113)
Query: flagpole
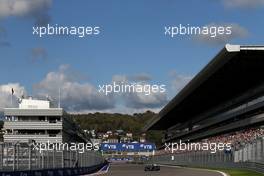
(12, 93)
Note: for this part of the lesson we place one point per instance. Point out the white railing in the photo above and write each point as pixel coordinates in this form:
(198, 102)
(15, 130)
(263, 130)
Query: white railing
(36, 137)
(40, 125)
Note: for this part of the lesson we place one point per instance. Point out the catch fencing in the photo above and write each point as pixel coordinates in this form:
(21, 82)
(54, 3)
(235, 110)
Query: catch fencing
(249, 156)
(19, 157)
(251, 152)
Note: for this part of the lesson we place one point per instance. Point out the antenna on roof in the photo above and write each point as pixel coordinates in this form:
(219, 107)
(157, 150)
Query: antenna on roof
(59, 104)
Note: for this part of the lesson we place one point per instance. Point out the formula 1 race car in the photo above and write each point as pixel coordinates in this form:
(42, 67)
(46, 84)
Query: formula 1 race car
(152, 167)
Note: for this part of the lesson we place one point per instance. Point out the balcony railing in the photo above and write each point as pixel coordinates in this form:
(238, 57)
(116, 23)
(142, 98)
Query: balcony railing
(40, 125)
(35, 137)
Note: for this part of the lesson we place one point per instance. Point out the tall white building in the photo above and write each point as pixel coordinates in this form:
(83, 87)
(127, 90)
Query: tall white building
(36, 120)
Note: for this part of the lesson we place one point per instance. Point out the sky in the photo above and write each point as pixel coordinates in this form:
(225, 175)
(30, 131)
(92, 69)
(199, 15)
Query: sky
(131, 47)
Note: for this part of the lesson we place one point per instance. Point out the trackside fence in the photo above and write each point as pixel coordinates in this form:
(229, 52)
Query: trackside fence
(21, 157)
(250, 156)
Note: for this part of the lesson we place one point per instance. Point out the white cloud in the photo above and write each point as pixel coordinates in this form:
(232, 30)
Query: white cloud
(85, 97)
(237, 31)
(75, 96)
(178, 81)
(139, 100)
(81, 96)
(5, 94)
(36, 9)
(243, 3)
(140, 77)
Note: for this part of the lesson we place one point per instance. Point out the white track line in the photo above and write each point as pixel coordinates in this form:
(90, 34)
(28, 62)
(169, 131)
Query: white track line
(99, 172)
(220, 172)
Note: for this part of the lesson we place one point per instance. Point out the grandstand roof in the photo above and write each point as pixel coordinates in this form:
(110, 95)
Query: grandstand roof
(234, 70)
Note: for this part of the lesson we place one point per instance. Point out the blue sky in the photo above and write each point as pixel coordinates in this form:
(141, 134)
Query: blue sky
(131, 42)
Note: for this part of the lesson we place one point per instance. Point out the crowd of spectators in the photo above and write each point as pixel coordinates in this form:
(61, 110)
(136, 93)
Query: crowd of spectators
(238, 139)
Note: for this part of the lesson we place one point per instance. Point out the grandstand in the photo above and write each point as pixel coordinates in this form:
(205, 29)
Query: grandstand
(223, 102)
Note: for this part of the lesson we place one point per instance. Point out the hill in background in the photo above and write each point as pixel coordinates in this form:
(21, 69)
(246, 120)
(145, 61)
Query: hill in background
(103, 122)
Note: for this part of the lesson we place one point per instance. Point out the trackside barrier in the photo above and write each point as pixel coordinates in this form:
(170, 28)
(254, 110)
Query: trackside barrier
(250, 156)
(252, 152)
(56, 172)
(22, 157)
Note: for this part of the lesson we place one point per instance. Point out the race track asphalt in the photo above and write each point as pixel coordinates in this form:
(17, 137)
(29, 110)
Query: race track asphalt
(138, 170)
